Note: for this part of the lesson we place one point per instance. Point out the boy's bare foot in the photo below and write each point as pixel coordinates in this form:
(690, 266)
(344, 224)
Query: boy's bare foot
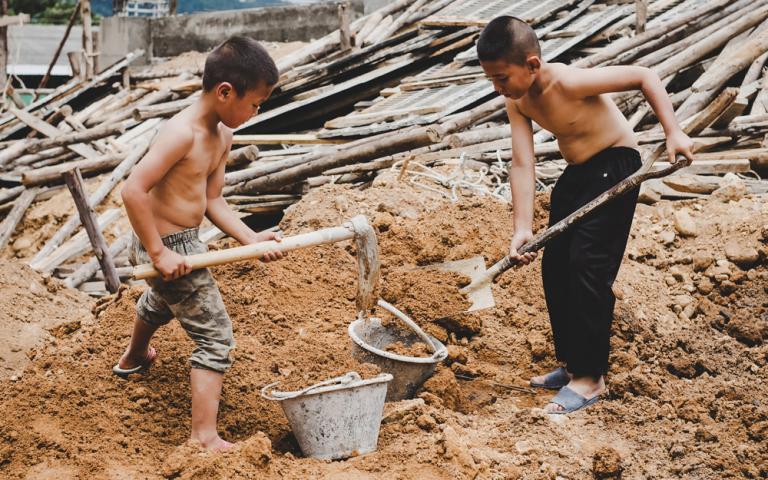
(216, 444)
(587, 387)
(131, 360)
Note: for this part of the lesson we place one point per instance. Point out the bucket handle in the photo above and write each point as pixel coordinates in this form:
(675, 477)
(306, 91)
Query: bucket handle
(348, 377)
(411, 324)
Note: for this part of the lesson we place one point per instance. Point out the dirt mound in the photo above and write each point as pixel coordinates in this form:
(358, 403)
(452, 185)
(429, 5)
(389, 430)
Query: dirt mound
(688, 368)
(34, 310)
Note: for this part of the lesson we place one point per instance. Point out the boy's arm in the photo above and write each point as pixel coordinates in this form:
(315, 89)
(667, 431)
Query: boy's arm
(522, 180)
(223, 217)
(161, 156)
(586, 82)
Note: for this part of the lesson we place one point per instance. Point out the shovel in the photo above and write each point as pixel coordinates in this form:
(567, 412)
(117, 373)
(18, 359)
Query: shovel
(479, 290)
(246, 252)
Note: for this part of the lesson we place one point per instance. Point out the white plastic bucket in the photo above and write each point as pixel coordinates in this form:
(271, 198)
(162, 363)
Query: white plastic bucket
(335, 419)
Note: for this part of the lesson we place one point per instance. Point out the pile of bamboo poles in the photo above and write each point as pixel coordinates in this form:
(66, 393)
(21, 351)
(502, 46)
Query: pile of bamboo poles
(402, 84)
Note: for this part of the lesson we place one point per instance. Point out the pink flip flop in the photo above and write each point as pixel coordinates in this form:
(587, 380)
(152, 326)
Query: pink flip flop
(125, 372)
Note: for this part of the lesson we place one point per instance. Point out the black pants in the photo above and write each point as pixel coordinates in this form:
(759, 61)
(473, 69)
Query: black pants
(580, 265)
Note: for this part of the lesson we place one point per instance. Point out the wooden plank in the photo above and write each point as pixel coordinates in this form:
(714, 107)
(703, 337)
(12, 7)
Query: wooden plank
(50, 131)
(480, 12)
(710, 167)
(75, 184)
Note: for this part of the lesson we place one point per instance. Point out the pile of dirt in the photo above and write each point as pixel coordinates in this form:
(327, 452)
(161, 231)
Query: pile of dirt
(34, 310)
(688, 368)
(418, 349)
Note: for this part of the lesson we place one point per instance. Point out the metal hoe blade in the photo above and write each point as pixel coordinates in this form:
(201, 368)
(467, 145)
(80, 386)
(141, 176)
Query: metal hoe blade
(473, 268)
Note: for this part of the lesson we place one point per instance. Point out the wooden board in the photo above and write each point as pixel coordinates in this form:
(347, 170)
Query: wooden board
(480, 12)
(445, 100)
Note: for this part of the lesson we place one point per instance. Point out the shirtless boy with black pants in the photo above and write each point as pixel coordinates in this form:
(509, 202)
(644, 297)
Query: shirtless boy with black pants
(580, 265)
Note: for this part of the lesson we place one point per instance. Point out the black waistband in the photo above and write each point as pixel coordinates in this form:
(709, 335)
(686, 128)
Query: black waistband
(610, 154)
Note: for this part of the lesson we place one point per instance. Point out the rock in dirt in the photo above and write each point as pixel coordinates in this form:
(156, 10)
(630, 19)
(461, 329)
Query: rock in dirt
(455, 449)
(648, 195)
(750, 331)
(456, 354)
(397, 411)
(606, 463)
(667, 237)
(740, 253)
(685, 225)
(702, 260)
(733, 188)
(684, 182)
(443, 384)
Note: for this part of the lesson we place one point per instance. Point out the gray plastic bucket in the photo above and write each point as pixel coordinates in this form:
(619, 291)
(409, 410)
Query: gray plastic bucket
(335, 419)
(370, 338)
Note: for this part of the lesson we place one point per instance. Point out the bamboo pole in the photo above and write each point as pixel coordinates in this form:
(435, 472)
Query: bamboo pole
(75, 184)
(94, 200)
(54, 173)
(718, 74)
(10, 222)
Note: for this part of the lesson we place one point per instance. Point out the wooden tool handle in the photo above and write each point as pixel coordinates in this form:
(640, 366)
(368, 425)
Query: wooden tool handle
(256, 250)
(542, 238)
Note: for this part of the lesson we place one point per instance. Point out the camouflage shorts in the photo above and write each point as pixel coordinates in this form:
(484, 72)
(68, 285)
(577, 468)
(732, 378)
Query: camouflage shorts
(193, 299)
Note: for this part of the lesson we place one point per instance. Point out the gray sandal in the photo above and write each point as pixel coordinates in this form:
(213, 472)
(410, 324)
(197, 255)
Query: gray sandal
(571, 401)
(554, 380)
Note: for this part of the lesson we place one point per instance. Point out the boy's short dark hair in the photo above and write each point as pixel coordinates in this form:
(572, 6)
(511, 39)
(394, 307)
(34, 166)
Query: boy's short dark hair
(241, 61)
(507, 38)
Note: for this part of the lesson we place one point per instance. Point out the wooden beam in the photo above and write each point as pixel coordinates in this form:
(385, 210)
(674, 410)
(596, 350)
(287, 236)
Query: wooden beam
(50, 131)
(75, 184)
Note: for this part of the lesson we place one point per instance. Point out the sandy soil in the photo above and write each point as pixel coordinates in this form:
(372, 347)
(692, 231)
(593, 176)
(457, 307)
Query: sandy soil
(687, 382)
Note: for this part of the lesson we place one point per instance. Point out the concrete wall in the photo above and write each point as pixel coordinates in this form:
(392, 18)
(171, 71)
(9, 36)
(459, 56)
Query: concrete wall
(121, 35)
(371, 5)
(170, 36)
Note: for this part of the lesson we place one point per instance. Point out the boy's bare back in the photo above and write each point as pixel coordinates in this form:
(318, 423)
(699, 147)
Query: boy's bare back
(583, 125)
(178, 200)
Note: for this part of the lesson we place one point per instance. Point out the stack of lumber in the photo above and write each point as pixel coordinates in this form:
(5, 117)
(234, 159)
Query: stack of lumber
(401, 85)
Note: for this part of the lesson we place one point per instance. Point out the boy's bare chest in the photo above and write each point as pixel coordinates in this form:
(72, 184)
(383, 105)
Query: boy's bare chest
(203, 158)
(558, 113)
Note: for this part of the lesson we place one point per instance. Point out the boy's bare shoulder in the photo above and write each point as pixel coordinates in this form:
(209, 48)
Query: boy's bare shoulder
(177, 131)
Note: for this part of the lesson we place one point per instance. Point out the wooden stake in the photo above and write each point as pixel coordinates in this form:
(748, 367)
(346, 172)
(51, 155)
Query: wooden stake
(75, 184)
(85, 18)
(641, 15)
(3, 45)
(345, 36)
